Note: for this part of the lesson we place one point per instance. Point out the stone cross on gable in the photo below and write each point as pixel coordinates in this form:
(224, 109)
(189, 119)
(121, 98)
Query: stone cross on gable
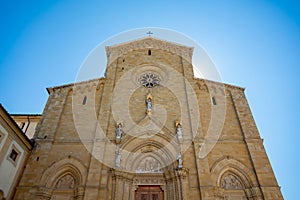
(149, 33)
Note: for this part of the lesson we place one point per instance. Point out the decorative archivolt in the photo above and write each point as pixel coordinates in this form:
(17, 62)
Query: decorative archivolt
(229, 173)
(161, 139)
(148, 157)
(66, 173)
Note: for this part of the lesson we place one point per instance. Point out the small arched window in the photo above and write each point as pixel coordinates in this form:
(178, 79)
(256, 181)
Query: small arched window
(149, 52)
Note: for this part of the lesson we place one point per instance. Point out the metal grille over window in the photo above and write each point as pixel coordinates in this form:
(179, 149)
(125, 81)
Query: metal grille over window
(149, 80)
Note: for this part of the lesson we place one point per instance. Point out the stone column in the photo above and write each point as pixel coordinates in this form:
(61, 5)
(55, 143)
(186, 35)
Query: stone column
(133, 188)
(181, 177)
(118, 185)
(119, 188)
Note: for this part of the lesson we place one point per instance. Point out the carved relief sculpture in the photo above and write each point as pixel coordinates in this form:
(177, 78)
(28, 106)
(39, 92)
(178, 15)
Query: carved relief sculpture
(66, 182)
(149, 165)
(230, 182)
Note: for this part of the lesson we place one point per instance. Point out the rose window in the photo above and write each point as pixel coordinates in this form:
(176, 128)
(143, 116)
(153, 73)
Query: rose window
(149, 80)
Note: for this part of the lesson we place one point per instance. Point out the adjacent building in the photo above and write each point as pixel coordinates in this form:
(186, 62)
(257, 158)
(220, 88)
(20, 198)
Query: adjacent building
(15, 148)
(27, 123)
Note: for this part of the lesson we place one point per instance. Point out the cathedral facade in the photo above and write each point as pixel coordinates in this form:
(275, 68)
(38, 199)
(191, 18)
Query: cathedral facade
(147, 130)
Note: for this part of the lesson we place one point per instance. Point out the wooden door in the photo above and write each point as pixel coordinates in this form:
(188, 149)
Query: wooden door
(149, 193)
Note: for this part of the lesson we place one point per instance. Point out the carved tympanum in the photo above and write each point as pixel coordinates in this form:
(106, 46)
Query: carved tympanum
(230, 182)
(66, 182)
(149, 165)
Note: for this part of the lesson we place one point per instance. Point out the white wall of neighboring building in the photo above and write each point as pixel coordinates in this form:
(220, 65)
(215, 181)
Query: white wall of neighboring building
(11, 164)
(31, 129)
(27, 123)
(8, 169)
(4, 134)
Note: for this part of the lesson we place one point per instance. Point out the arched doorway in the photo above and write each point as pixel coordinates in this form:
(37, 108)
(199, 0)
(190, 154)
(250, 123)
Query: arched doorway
(148, 170)
(64, 179)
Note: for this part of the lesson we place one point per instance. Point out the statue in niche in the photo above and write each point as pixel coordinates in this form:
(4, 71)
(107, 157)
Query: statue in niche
(66, 182)
(231, 182)
(179, 160)
(148, 104)
(179, 130)
(119, 131)
(118, 157)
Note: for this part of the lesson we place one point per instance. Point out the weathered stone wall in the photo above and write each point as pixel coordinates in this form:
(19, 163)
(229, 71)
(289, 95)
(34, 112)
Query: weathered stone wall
(81, 119)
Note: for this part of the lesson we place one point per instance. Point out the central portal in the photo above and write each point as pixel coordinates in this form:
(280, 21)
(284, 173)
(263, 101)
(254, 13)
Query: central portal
(148, 192)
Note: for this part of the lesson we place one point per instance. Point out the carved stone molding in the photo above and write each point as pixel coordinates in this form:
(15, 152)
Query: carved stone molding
(182, 172)
(234, 166)
(118, 174)
(79, 192)
(154, 180)
(44, 193)
(219, 193)
(253, 192)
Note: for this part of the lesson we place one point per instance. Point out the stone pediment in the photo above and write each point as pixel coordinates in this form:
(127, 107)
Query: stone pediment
(115, 51)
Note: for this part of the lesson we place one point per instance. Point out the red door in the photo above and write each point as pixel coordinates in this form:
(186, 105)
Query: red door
(149, 193)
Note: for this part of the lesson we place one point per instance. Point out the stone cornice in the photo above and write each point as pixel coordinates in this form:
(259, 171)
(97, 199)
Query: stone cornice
(78, 84)
(227, 86)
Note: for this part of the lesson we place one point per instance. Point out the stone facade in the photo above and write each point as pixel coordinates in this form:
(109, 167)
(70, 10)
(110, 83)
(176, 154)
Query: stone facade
(149, 123)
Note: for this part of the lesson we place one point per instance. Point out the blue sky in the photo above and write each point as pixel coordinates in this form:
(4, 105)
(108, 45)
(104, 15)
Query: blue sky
(255, 44)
